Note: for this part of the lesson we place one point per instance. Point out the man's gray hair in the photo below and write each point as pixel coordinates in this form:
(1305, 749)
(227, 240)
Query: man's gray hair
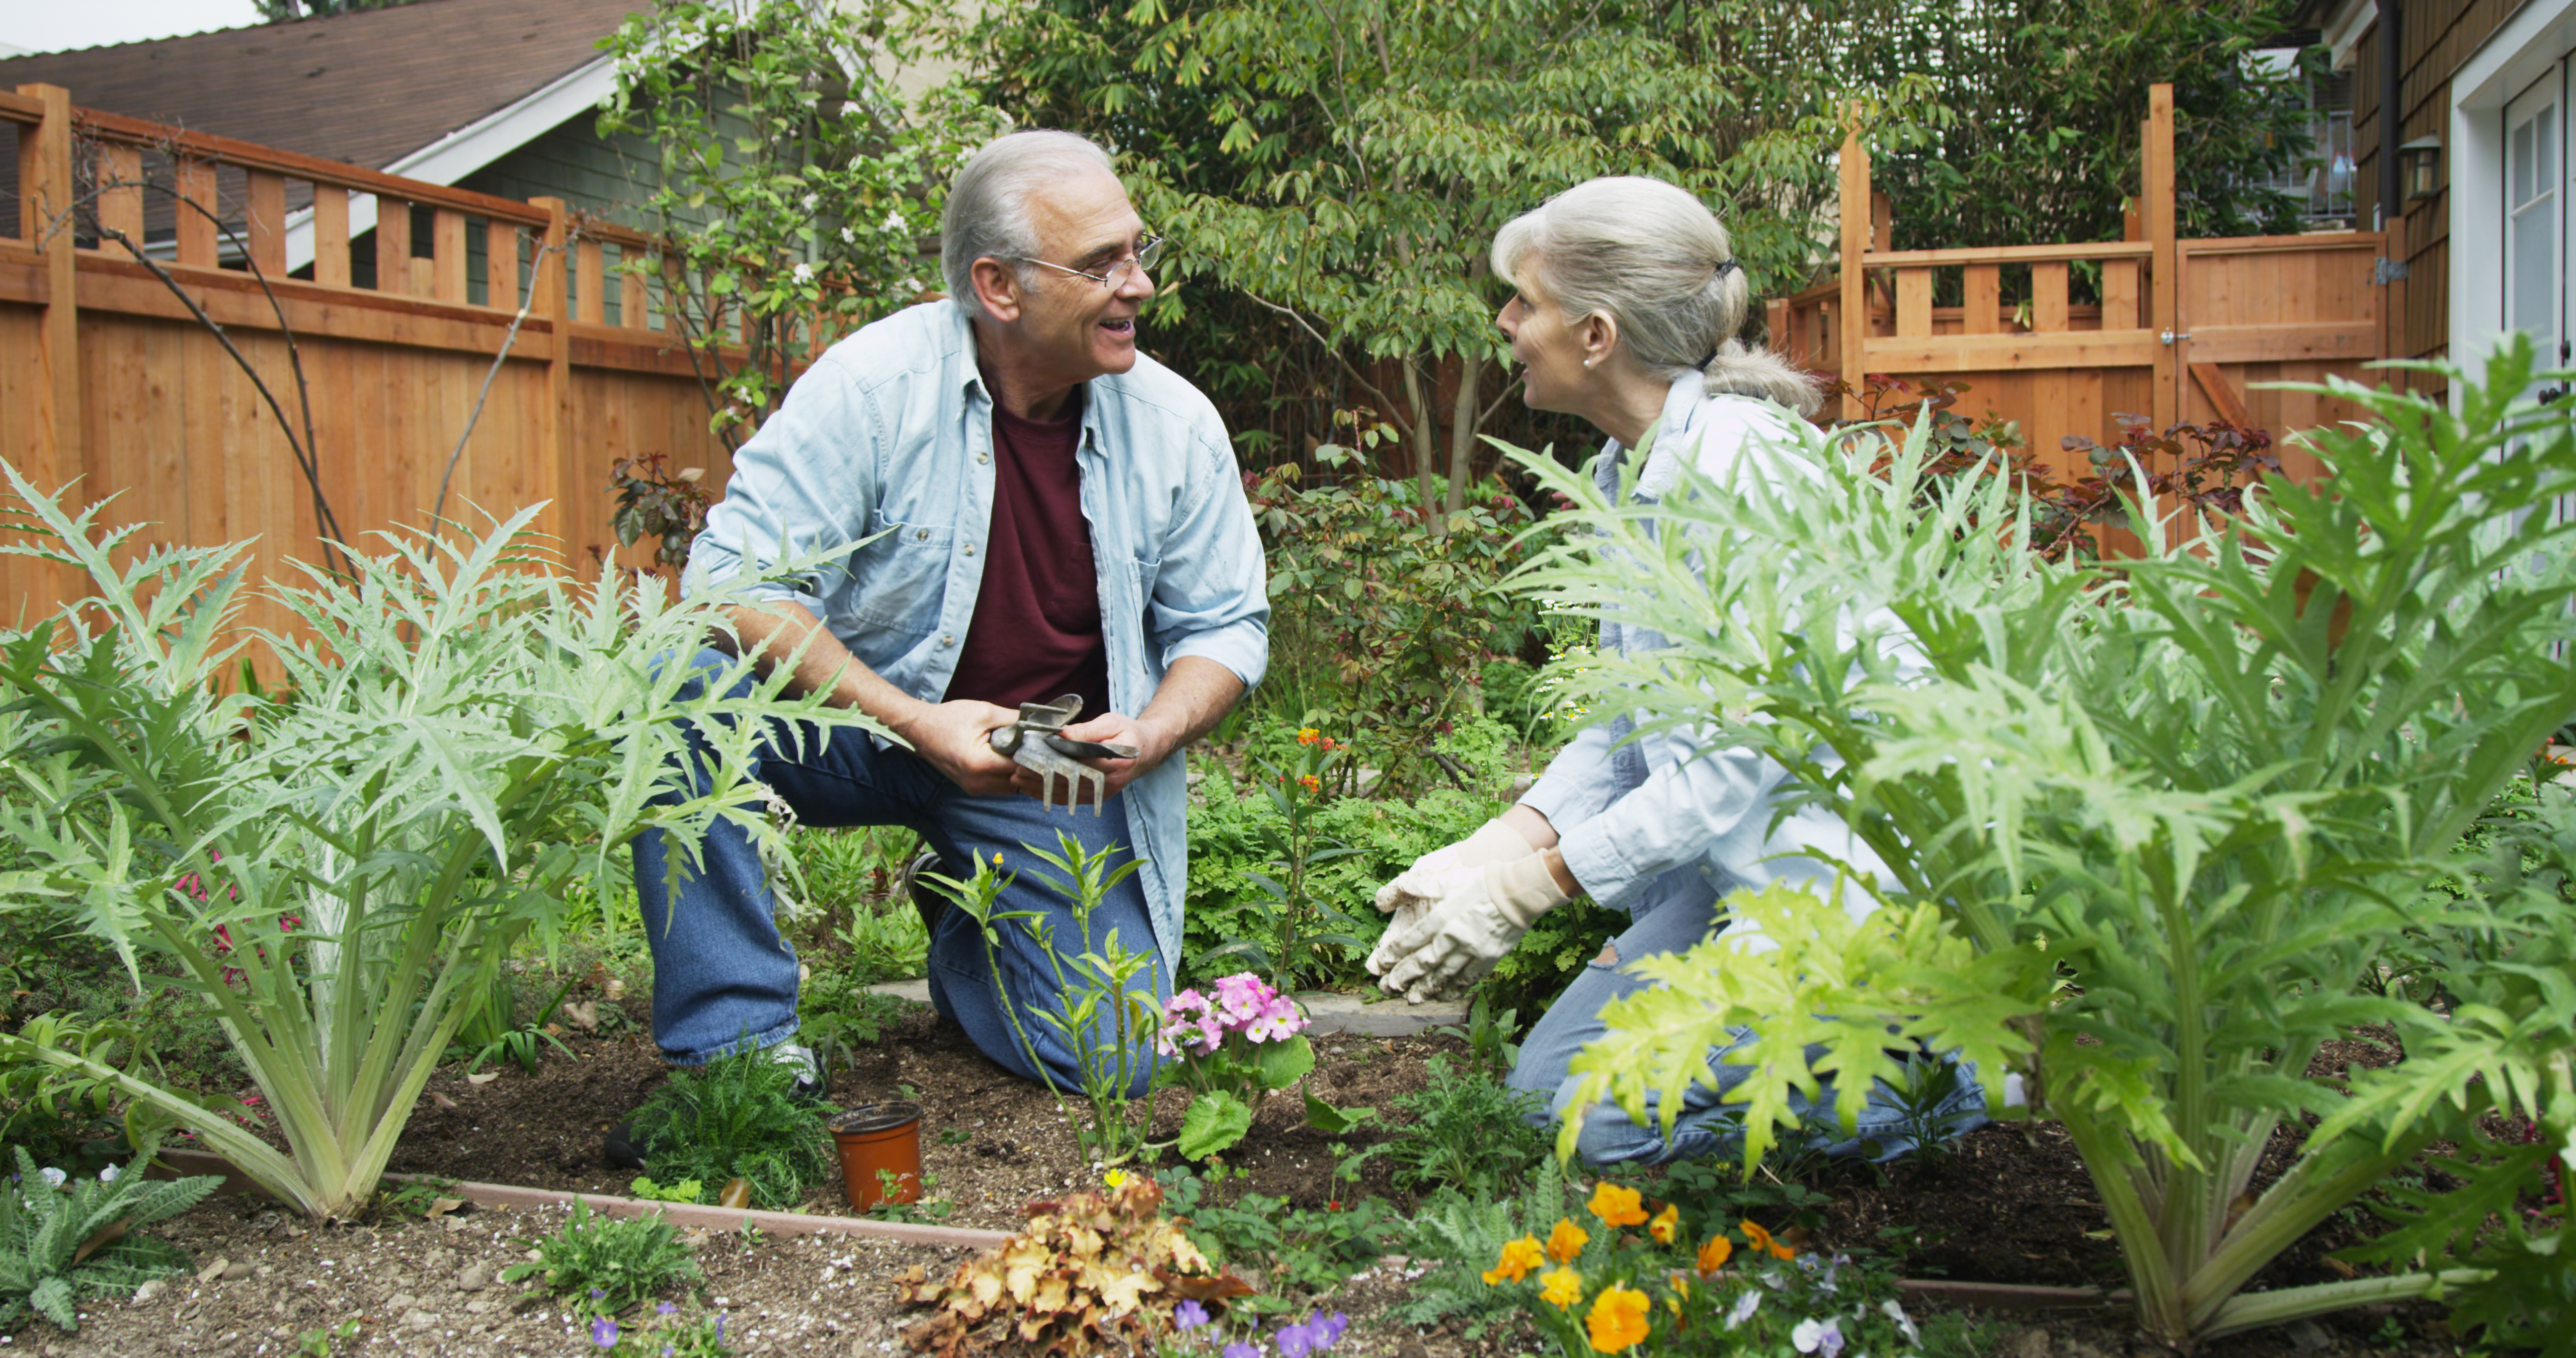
(1655, 260)
(988, 203)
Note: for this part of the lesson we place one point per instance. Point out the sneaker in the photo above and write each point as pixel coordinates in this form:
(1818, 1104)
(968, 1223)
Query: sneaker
(627, 1147)
(926, 899)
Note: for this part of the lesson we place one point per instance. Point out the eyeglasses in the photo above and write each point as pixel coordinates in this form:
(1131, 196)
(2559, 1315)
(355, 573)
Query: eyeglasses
(1147, 253)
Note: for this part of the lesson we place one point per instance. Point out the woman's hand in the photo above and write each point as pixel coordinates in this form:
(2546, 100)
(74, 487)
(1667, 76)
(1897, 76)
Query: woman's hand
(1455, 940)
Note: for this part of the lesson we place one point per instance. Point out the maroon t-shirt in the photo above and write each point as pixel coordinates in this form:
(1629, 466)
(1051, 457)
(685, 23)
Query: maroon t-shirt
(1036, 632)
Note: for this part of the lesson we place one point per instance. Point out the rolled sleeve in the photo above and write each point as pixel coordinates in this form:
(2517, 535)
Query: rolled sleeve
(1211, 594)
(1681, 813)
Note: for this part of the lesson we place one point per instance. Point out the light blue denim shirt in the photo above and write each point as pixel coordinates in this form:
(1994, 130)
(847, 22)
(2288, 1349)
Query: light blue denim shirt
(890, 433)
(1646, 820)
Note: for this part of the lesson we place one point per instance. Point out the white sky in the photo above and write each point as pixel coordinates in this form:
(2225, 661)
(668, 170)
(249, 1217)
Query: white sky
(56, 25)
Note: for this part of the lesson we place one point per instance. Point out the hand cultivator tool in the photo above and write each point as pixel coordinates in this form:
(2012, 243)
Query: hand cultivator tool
(1035, 742)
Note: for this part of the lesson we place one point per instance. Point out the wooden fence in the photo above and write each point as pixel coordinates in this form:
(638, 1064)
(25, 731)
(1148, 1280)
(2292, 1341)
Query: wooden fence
(2182, 329)
(107, 377)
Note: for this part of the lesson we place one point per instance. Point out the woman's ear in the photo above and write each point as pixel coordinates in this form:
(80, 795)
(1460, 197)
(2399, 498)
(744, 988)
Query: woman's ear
(1600, 336)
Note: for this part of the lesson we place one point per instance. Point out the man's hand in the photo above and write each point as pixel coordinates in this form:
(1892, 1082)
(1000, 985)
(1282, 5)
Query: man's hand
(1153, 744)
(956, 739)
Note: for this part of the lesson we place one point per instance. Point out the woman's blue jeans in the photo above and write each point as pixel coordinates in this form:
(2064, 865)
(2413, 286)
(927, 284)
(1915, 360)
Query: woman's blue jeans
(725, 980)
(1678, 911)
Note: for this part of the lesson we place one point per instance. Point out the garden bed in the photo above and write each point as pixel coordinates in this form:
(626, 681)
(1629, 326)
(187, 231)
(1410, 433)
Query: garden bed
(2006, 1206)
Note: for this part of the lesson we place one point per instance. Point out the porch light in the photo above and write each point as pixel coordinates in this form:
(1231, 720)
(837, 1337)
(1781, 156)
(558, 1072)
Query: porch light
(2420, 161)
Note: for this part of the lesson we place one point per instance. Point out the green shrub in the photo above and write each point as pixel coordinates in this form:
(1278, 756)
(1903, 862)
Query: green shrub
(463, 737)
(737, 1117)
(605, 1264)
(2207, 787)
(1469, 1132)
(1303, 1250)
(67, 1116)
(82, 1238)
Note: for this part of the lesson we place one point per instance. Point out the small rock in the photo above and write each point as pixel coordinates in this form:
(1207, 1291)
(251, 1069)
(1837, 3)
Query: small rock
(2310, 1336)
(401, 1301)
(2033, 1343)
(481, 1306)
(2079, 1349)
(418, 1319)
(475, 1277)
(214, 1271)
(150, 1291)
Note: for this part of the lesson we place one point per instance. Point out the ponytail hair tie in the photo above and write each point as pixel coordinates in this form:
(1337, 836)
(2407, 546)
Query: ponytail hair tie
(1725, 267)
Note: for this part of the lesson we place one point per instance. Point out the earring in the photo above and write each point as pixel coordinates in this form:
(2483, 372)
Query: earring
(1587, 363)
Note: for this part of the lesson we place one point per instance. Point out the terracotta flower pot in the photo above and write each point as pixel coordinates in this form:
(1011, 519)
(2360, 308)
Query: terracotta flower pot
(876, 1137)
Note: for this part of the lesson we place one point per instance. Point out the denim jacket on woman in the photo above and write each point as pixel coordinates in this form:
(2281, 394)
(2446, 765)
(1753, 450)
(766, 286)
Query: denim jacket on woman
(889, 436)
(1643, 820)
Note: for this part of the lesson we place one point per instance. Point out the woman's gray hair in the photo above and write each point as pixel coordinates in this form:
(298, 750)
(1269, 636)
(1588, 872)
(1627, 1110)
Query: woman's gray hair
(1655, 260)
(988, 203)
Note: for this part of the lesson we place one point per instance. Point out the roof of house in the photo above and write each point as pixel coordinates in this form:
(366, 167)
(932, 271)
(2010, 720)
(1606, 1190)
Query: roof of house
(379, 88)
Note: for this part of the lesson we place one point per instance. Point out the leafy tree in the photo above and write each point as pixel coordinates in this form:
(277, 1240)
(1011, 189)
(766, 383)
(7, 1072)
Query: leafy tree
(1344, 167)
(2049, 95)
(796, 181)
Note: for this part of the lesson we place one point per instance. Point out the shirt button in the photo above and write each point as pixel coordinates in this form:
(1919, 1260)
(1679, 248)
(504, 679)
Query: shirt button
(970, 549)
(948, 640)
(983, 457)
(921, 535)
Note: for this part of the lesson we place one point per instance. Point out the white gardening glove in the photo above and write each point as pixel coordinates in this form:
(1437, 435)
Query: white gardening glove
(1467, 931)
(1412, 892)
(1493, 842)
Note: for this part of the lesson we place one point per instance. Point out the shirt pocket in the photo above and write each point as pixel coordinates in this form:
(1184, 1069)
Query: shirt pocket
(900, 578)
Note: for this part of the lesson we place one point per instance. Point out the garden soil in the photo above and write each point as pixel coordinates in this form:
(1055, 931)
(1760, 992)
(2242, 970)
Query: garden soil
(2006, 1205)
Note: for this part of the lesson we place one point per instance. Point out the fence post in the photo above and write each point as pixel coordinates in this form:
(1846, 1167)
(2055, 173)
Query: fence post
(2165, 255)
(546, 298)
(1854, 303)
(45, 220)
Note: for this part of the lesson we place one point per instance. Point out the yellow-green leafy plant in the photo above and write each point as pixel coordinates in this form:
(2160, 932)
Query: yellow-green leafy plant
(465, 739)
(2148, 824)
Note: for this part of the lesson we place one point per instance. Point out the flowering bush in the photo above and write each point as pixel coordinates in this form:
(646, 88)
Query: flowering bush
(1740, 1291)
(1230, 1050)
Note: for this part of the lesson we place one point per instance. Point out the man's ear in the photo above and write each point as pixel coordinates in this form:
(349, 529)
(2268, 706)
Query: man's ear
(997, 285)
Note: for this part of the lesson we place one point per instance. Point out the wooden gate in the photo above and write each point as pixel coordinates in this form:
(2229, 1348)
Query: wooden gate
(2183, 330)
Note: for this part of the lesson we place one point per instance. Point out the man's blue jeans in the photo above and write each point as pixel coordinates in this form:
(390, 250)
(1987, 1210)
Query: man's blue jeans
(725, 980)
(1681, 910)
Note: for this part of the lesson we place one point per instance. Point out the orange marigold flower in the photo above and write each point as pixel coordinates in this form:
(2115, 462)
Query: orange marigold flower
(1560, 1287)
(1566, 1241)
(1519, 1257)
(1308, 735)
(1617, 1321)
(1667, 1225)
(1714, 1254)
(1617, 1206)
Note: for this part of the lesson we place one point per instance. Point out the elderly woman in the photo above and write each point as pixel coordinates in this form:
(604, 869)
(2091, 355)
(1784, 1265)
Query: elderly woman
(1626, 310)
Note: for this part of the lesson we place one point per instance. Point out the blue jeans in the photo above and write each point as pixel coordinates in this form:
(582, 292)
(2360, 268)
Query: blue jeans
(1675, 915)
(725, 980)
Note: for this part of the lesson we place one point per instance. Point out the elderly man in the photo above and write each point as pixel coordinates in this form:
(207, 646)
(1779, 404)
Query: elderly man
(1047, 511)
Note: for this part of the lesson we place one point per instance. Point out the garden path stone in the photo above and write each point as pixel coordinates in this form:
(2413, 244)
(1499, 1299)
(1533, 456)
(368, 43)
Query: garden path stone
(1327, 1011)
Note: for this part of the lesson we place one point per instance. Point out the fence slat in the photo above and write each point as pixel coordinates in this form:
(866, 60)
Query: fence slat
(119, 176)
(331, 235)
(266, 225)
(590, 284)
(2048, 298)
(633, 307)
(1982, 304)
(197, 236)
(501, 265)
(393, 246)
(1913, 302)
(447, 255)
(2120, 294)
